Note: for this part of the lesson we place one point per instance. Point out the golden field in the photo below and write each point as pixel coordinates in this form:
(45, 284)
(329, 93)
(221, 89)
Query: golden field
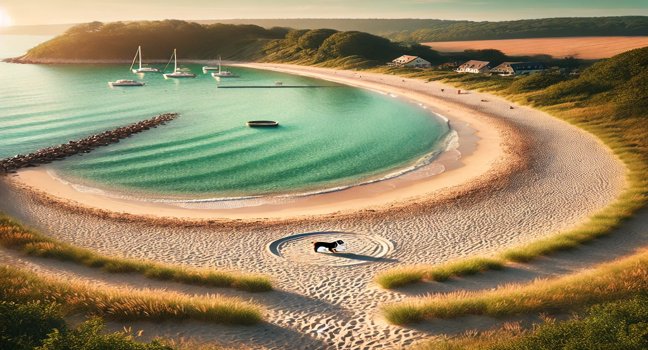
(580, 47)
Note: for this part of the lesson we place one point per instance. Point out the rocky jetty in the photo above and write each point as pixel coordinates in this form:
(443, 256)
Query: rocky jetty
(84, 145)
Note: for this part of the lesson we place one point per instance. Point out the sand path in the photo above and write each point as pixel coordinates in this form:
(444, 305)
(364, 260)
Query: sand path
(570, 175)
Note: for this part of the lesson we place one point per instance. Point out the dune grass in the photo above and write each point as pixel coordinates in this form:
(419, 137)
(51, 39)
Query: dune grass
(21, 286)
(612, 325)
(15, 236)
(603, 114)
(612, 281)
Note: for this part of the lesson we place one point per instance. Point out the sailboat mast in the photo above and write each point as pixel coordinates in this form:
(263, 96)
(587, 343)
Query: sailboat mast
(175, 61)
(139, 52)
(134, 59)
(219, 64)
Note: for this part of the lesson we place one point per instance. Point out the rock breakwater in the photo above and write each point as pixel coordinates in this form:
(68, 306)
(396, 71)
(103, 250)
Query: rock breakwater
(84, 145)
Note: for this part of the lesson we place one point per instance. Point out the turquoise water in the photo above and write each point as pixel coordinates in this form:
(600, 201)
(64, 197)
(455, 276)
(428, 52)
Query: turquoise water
(329, 136)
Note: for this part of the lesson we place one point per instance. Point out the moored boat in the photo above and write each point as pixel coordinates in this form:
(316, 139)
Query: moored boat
(221, 73)
(262, 123)
(126, 82)
(177, 73)
(141, 69)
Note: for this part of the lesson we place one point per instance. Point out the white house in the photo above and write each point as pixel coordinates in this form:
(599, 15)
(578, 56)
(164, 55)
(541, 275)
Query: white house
(518, 68)
(411, 62)
(474, 66)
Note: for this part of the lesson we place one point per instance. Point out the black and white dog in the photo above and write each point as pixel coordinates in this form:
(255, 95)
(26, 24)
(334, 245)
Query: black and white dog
(333, 247)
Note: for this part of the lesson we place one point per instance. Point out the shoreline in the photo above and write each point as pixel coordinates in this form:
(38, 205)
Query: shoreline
(550, 177)
(430, 164)
(479, 165)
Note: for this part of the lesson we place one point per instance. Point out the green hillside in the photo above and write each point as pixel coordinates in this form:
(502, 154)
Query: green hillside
(528, 28)
(329, 47)
(119, 40)
(422, 30)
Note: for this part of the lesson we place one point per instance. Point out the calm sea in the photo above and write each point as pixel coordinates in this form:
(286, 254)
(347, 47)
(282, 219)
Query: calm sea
(330, 135)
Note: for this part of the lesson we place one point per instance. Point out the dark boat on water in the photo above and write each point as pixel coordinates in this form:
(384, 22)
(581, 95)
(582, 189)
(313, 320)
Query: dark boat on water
(262, 123)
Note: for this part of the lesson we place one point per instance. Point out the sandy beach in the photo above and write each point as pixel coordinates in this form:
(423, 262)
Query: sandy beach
(487, 150)
(526, 176)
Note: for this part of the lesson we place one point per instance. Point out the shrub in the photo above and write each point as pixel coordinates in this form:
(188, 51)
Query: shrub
(88, 336)
(24, 326)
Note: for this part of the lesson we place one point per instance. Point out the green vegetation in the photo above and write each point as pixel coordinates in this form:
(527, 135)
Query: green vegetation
(20, 286)
(327, 47)
(613, 281)
(418, 30)
(347, 38)
(15, 236)
(119, 40)
(41, 326)
(527, 28)
(608, 100)
(614, 325)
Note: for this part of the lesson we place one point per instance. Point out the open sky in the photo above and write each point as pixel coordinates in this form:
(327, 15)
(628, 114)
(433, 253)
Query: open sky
(26, 12)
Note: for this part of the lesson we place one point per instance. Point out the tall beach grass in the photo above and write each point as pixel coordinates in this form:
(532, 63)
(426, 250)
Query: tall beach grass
(21, 286)
(15, 236)
(611, 325)
(626, 137)
(612, 281)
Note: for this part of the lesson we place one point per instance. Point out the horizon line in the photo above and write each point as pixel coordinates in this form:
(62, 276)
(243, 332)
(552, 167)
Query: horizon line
(317, 18)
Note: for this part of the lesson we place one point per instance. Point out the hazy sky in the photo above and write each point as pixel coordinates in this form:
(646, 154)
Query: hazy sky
(21, 12)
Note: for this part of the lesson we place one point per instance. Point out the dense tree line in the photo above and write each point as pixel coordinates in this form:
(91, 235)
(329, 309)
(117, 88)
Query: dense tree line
(322, 45)
(528, 28)
(119, 40)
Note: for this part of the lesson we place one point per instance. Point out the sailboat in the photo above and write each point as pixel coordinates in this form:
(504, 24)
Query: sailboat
(140, 69)
(177, 73)
(221, 73)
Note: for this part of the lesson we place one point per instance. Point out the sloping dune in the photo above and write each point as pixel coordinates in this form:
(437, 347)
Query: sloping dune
(579, 47)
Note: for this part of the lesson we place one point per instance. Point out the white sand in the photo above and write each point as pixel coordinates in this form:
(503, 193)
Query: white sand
(477, 155)
(569, 175)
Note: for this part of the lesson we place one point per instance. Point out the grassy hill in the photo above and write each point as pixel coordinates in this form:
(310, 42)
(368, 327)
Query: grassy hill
(118, 40)
(528, 28)
(421, 30)
(329, 47)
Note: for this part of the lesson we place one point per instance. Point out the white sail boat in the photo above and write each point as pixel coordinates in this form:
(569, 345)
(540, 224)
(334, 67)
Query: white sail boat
(221, 73)
(177, 73)
(140, 69)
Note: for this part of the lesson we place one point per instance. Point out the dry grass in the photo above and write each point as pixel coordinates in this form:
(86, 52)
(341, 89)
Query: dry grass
(598, 225)
(579, 47)
(628, 139)
(123, 304)
(15, 236)
(611, 325)
(610, 281)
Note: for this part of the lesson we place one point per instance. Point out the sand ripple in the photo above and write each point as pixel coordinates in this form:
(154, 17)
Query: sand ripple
(323, 304)
(362, 248)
